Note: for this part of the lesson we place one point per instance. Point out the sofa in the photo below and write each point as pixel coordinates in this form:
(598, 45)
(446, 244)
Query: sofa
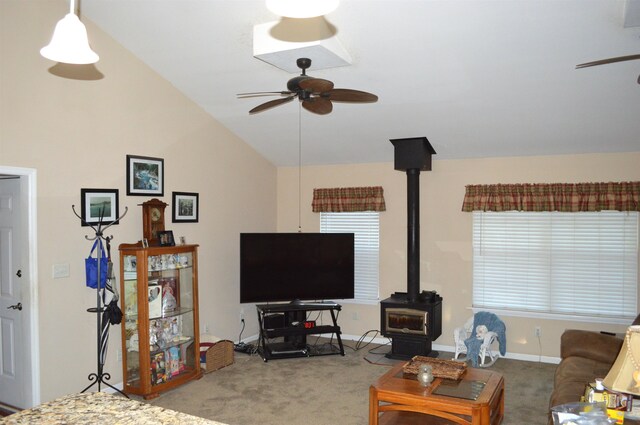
(585, 356)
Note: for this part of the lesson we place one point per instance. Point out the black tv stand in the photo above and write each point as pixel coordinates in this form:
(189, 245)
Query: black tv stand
(284, 329)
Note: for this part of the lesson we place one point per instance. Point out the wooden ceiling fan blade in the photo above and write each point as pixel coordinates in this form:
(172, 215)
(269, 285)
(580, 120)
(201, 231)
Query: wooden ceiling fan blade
(271, 104)
(607, 61)
(318, 105)
(348, 95)
(316, 85)
(263, 93)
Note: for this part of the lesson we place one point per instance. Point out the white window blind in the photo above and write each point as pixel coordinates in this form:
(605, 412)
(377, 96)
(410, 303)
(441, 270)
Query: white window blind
(583, 264)
(365, 226)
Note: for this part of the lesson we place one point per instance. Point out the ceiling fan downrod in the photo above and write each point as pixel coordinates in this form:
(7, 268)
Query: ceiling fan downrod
(294, 83)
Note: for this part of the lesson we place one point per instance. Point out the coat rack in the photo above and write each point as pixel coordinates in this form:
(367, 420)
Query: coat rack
(101, 377)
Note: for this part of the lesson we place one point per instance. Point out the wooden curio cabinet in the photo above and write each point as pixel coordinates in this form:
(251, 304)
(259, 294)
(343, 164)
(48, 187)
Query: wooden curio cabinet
(160, 336)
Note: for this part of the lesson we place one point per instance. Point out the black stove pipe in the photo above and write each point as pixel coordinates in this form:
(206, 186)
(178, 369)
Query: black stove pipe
(413, 234)
(413, 155)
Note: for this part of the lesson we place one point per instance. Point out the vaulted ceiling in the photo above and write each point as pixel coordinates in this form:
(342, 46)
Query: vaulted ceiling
(478, 78)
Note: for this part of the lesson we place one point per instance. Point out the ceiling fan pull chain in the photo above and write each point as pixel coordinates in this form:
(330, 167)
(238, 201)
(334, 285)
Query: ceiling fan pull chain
(299, 169)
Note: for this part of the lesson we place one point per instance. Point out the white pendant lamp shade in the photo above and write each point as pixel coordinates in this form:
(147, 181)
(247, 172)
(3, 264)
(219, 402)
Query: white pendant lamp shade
(69, 43)
(302, 8)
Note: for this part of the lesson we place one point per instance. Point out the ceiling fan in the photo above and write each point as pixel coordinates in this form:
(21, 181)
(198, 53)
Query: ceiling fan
(608, 61)
(315, 94)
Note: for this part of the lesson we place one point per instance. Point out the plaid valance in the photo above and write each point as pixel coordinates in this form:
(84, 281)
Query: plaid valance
(564, 197)
(348, 199)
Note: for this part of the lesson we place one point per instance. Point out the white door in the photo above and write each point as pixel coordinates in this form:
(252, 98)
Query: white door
(12, 309)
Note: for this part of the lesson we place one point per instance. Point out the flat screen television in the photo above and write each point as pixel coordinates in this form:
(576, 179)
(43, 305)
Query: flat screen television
(296, 266)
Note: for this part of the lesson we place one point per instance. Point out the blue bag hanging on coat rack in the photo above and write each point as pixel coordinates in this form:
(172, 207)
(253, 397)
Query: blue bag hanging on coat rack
(91, 266)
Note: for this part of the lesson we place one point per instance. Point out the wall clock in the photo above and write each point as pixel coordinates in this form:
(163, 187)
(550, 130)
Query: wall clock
(152, 220)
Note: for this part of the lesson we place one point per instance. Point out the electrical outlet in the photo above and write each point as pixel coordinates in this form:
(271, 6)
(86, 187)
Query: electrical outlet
(119, 355)
(538, 331)
(206, 328)
(242, 315)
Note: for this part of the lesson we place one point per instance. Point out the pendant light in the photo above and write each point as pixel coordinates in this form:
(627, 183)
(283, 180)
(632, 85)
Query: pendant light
(302, 8)
(69, 43)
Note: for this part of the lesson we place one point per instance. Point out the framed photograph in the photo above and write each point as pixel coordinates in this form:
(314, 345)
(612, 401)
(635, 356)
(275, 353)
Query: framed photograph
(166, 238)
(145, 176)
(185, 207)
(99, 204)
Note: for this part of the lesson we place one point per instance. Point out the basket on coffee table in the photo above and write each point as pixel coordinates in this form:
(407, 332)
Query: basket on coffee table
(447, 369)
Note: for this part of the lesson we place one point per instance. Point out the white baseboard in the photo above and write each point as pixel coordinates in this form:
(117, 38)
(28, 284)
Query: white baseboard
(451, 349)
(249, 339)
(438, 347)
(119, 385)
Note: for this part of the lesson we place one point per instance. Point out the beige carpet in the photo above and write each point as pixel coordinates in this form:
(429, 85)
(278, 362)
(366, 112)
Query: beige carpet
(331, 390)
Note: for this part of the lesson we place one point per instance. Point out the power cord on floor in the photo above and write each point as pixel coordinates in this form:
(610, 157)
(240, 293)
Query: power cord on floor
(241, 347)
(539, 349)
(241, 330)
(380, 350)
(359, 344)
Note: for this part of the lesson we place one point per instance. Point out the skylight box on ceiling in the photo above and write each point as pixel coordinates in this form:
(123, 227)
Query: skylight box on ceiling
(632, 13)
(280, 43)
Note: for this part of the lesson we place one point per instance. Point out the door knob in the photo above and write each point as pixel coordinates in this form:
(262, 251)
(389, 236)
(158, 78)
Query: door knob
(16, 307)
(19, 274)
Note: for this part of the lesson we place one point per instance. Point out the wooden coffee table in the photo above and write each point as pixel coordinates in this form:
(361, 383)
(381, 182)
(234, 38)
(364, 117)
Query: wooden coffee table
(396, 398)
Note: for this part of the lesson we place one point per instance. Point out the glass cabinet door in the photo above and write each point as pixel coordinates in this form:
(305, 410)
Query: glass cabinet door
(130, 307)
(171, 316)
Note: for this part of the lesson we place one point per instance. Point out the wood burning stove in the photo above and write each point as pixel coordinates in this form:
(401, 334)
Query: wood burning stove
(412, 319)
(411, 325)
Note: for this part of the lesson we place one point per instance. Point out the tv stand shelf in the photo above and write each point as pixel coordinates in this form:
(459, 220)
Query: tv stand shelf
(284, 329)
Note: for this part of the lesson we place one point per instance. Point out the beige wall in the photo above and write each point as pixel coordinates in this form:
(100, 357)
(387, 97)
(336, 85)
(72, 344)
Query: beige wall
(76, 134)
(446, 254)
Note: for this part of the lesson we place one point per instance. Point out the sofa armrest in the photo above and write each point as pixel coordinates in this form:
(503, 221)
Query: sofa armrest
(591, 345)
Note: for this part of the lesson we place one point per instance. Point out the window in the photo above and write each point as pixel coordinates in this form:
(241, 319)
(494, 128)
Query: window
(365, 226)
(577, 264)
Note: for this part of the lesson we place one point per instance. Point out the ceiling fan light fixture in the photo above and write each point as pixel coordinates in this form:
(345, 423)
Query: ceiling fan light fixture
(69, 43)
(302, 8)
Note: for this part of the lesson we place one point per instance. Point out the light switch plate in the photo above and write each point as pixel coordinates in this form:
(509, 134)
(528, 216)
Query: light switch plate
(60, 270)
